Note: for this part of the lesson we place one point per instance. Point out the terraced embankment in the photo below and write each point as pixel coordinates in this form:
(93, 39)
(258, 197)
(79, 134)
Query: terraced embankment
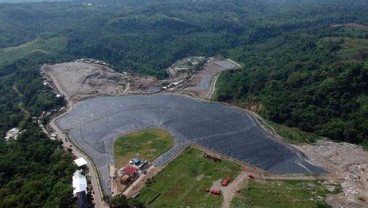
(95, 124)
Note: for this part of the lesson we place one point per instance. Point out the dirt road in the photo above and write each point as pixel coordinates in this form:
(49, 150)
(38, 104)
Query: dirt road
(230, 190)
(212, 86)
(98, 194)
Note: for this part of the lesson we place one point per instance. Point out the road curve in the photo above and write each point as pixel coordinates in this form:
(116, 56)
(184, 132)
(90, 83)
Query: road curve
(98, 194)
(95, 180)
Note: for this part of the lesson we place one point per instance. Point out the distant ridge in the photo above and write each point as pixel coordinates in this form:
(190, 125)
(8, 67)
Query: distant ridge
(28, 1)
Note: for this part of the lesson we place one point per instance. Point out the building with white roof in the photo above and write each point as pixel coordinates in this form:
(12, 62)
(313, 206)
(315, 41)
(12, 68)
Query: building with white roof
(79, 182)
(80, 162)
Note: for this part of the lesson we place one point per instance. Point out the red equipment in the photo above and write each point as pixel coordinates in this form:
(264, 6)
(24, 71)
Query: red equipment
(226, 181)
(215, 192)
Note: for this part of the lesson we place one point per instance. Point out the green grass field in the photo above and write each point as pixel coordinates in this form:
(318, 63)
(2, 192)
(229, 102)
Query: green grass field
(183, 182)
(282, 194)
(148, 143)
(50, 46)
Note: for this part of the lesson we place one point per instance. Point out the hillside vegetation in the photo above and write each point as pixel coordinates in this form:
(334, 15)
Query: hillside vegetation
(315, 81)
(33, 49)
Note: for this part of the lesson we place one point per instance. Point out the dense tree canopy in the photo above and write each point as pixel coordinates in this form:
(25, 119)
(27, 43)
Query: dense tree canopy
(314, 82)
(33, 172)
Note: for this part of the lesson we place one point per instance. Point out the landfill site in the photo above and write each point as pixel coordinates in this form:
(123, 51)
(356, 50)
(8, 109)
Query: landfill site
(96, 123)
(104, 105)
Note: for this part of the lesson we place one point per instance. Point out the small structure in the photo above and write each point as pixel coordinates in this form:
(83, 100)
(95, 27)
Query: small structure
(125, 179)
(12, 134)
(145, 165)
(177, 83)
(79, 182)
(80, 162)
(82, 201)
(136, 161)
(53, 136)
(130, 170)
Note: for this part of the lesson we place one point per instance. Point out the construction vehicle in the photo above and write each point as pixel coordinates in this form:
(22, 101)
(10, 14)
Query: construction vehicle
(215, 192)
(226, 181)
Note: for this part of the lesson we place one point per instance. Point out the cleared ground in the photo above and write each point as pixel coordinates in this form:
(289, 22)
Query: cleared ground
(349, 164)
(148, 143)
(95, 124)
(282, 194)
(78, 80)
(183, 182)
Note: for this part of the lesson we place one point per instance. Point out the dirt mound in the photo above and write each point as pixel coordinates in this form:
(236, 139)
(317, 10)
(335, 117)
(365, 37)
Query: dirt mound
(348, 164)
(77, 80)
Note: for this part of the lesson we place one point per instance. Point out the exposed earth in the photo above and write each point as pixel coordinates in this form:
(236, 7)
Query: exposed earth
(87, 78)
(81, 80)
(348, 164)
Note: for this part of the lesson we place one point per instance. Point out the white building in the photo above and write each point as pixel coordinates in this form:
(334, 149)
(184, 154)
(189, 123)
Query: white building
(80, 162)
(79, 182)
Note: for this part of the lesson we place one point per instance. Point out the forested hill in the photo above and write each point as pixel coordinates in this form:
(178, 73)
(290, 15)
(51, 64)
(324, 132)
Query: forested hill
(317, 83)
(304, 65)
(146, 36)
(314, 77)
